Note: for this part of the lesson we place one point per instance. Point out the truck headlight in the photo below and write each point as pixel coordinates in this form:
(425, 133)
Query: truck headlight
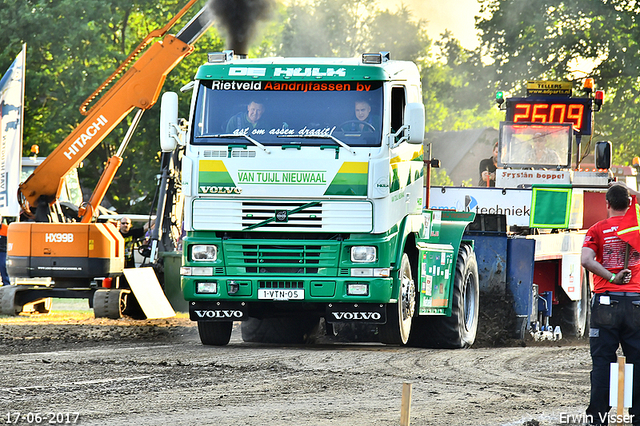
(363, 254)
(204, 253)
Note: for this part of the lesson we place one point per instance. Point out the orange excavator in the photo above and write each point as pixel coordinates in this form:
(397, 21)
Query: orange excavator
(76, 254)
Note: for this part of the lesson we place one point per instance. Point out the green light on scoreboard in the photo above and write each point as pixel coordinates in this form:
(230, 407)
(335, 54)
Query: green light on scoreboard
(499, 98)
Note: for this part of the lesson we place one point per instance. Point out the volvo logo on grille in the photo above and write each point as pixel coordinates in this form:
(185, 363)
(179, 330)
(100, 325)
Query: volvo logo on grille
(282, 216)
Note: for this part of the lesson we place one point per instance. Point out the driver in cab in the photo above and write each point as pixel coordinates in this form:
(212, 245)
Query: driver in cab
(364, 122)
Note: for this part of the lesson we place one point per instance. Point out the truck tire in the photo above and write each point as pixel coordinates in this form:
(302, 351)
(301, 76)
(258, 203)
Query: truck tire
(283, 330)
(213, 333)
(458, 330)
(109, 303)
(573, 315)
(400, 315)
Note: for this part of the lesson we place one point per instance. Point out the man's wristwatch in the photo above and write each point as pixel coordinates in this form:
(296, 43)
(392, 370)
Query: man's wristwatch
(613, 276)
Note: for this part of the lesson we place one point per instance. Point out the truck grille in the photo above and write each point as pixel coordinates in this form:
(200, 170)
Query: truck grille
(255, 212)
(329, 216)
(280, 284)
(211, 153)
(281, 257)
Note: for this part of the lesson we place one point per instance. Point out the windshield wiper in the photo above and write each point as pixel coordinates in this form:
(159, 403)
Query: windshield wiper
(238, 135)
(333, 138)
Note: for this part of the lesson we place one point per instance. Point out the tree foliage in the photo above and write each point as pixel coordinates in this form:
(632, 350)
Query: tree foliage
(457, 90)
(457, 93)
(546, 39)
(348, 28)
(72, 48)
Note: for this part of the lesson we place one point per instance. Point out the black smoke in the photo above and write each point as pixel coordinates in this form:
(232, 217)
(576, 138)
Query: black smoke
(239, 19)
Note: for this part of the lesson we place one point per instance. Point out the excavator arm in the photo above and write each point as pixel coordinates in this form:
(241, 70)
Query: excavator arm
(139, 87)
(87, 259)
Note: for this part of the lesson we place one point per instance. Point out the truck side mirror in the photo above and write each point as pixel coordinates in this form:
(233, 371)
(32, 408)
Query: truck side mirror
(169, 122)
(603, 155)
(414, 119)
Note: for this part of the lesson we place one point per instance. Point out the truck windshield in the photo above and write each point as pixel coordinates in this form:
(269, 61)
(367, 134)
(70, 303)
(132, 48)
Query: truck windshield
(274, 113)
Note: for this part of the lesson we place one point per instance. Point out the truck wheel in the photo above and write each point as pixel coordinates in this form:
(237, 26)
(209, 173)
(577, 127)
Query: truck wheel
(572, 315)
(458, 330)
(8, 300)
(213, 333)
(109, 303)
(399, 317)
(284, 330)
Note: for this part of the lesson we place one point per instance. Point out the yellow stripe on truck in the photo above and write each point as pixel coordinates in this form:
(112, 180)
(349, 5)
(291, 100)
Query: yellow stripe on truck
(212, 166)
(354, 167)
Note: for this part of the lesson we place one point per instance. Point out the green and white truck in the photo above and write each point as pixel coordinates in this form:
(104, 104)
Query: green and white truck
(313, 211)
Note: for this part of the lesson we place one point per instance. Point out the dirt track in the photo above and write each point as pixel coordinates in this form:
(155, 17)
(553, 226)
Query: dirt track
(128, 372)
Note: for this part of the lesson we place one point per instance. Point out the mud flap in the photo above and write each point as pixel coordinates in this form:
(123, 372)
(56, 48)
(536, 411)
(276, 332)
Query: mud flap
(370, 313)
(218, 311)
(145, 286)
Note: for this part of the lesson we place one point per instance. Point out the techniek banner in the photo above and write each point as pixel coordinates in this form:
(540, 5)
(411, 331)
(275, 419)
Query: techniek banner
(11, 120)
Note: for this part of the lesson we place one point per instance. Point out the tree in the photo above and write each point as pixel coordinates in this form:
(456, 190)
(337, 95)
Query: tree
(546, 39)
(348, 28)
(77, 46)
(326, 28)
(400, 34)
(457, 90)
(457, 93)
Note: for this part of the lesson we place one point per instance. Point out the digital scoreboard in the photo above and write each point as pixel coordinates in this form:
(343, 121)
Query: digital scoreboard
(552, 109)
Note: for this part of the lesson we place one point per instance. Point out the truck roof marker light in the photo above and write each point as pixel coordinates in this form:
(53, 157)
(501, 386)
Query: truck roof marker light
(371, 58)
(500, 98)
(588, 85)
(375, 58)
(218, 57)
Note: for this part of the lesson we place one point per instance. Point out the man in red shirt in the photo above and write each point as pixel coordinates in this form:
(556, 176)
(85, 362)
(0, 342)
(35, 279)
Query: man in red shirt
(615, 307)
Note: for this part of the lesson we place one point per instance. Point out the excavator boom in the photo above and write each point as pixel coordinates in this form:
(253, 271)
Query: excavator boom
(139, 87)
(87, 259)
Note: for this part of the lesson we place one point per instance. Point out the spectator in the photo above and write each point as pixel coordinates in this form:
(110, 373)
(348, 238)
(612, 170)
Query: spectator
(615, 311)
(131, 236)
(3, 254)
(488, 168)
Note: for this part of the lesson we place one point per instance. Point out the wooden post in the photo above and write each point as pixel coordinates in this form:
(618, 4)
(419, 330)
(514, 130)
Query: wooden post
(405, 408)
(621, 367)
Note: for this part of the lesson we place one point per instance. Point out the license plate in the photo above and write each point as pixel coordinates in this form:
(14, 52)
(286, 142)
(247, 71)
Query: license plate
(280, 294)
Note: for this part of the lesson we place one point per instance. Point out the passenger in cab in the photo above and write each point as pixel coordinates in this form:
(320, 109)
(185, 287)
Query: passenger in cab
(246, 120)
